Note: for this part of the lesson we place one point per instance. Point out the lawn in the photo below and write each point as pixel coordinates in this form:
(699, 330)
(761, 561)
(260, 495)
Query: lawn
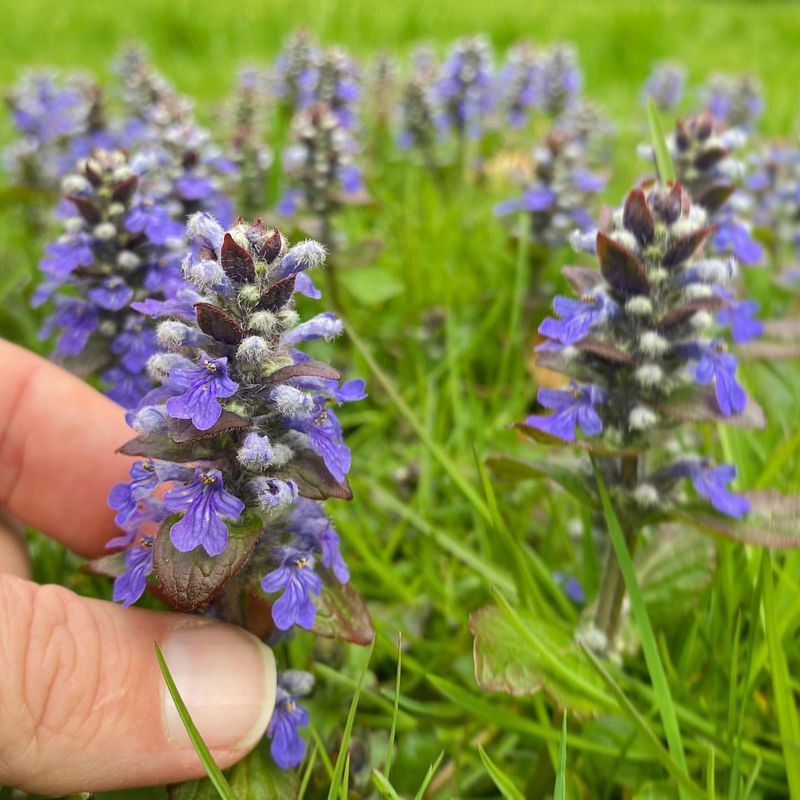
(441, 308)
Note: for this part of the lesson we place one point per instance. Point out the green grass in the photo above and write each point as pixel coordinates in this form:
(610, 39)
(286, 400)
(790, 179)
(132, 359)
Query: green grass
(444, 348)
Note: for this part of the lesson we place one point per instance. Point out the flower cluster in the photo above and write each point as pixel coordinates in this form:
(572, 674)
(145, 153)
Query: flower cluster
(665, 85)
(57, 120)
(337, 85)
(773, 185)
(637, 346)
(701, 151)
(241, 426)
(735, 100)
(247, 147)
(520, 83)
(561, 79)
(319, 164)
(187, 169)
(418, 117)
(296, 71)
(465, 88)
(119, 247)
(560, 194)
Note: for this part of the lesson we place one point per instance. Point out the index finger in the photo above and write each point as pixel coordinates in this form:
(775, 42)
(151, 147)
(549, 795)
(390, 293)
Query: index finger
(58, 459)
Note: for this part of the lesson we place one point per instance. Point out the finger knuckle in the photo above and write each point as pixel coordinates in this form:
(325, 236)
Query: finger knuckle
(49, 663)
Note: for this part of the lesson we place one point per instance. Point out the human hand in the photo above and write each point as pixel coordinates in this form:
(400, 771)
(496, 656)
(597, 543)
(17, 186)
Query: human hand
(83, 706)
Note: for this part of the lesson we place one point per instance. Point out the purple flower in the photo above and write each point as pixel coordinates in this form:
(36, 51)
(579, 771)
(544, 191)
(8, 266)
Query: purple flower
(112, 295)
(288, 748)
(298, 581)
(136, 343)
(574, 407)
(154, 221)
(741, 317)
(194, 187)
(130, 585)
(576, 317)
(204, 384)
(304, 285)
(537, 198)
(323, 429)
(711, 482)
(66, 255)
(299, 258)
(181, 306)
(125, 497)
(734, 237)
(204, 502)
(717, 364)
(77, 319)
(323, 326)
(125, 388)
(314, 531)
(571, 586)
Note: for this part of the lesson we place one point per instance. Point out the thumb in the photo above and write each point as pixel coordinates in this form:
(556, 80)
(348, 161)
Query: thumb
(83, 705)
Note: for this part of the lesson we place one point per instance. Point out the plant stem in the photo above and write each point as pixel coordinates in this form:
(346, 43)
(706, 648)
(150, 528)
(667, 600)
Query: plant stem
(333, 284)
(612, 588)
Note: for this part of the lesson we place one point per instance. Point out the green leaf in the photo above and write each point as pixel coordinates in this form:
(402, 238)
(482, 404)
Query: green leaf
(785, 703)
(560, 789)
(503, 783)
(432, 770)
(203, 753)
(342, 614)
(664, 165)
(190, 581)
(652, 658)
(515, 469)
(200, 789)
(524, 654)
(773, 521)
(396, 709)
(382, 784)
(672, 572)
(258, 777)
(313, 479)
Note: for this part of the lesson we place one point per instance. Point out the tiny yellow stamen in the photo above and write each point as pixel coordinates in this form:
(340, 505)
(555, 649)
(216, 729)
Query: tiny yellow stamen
(587, 298)
(301, 562)
(208, 480)
(210, 366)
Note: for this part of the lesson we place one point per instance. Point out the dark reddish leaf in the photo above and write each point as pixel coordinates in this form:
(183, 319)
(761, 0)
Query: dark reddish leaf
(666, 205)
(703, 407)
(342, 614)
(312, 477)
(182, 430)
(218, 324)
(713, 197)
(123, 191)
(88, 209)
(190, 581)
(636, 217)
(157, 445)
(304, 369)
(277, 295)
(604, 351)
(582, 279)
(236, 262)
(683, 248)
(684, 313)
(710, 156)
(620, 267)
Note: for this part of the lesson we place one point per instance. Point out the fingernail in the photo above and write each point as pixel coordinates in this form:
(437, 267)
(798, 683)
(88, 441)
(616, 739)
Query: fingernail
(226, 678)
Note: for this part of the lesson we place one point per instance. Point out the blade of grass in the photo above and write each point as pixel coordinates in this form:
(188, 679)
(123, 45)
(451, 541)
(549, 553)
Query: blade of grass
(560, 789)
(344, 747)
(648, 641)
(393, 729)
(203, 753)
(312, 761)
(388, 792)
(777, 460)
(677, 772)
(436, 450)
(664, 165)
(432, 770)
(503, 783)
(784, 701)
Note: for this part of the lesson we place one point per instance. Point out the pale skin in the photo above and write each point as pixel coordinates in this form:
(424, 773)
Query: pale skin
(81, 696)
